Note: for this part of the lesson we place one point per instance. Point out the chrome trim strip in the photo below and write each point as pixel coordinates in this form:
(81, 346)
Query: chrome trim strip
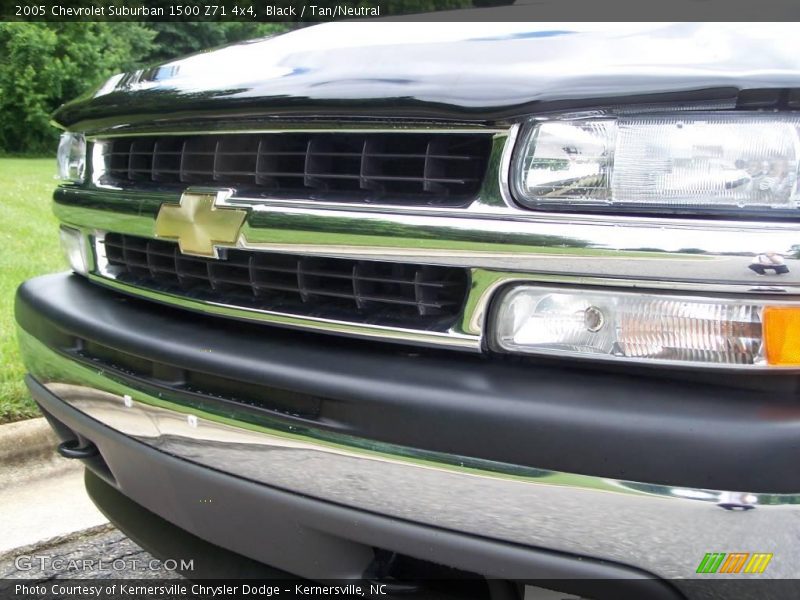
(579, 514)
(505, 166)
(240, 126)
(289, 128)
(636, 252)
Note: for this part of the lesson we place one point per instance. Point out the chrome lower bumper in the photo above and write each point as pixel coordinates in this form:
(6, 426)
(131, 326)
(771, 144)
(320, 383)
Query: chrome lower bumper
(662, 530)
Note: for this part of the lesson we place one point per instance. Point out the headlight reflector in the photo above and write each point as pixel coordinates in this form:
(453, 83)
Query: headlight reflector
(690, 161)
(646, 327)
(71, 157)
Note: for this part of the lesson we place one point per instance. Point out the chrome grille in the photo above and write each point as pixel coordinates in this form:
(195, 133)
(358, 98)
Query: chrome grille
(380, 293)
(406, 167)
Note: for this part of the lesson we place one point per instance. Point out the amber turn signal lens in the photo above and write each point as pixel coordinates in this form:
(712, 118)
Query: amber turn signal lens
(782, 334)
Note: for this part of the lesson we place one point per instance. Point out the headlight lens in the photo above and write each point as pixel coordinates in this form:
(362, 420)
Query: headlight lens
(675, 162)
(71, 157)
(75, 251)
(647, 327)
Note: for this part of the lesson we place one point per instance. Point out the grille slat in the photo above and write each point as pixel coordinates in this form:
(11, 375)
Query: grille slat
(414, 296)
(439, 284)
(396, 167)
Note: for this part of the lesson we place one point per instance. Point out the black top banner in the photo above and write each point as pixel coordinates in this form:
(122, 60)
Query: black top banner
(318, 11)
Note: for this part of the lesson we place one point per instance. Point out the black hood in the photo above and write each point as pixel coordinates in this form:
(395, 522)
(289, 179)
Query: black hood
(485, 72)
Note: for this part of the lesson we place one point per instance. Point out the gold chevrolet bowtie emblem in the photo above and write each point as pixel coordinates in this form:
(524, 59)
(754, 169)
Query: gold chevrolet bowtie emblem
(199, 224)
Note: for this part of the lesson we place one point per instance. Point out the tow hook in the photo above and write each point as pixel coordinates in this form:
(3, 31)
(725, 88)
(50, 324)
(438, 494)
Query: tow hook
(79, 448)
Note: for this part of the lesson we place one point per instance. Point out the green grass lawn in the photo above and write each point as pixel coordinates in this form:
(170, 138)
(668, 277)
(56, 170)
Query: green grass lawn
(29, 246)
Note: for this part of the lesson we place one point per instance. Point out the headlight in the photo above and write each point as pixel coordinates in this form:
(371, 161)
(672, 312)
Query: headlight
(73, 244)
(647, 327)
(71, 157)
(680, 162)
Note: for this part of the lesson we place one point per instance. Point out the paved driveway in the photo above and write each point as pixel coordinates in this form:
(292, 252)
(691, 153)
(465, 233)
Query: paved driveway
(100, 553)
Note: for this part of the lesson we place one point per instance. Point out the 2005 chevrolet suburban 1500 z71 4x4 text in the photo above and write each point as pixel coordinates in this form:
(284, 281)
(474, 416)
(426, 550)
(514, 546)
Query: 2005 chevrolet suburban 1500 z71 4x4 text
(515, 300)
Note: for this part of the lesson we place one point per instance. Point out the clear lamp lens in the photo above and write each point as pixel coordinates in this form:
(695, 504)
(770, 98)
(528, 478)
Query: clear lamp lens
(679, 161)
(635, 327)
(74, 248)
(71, 157)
